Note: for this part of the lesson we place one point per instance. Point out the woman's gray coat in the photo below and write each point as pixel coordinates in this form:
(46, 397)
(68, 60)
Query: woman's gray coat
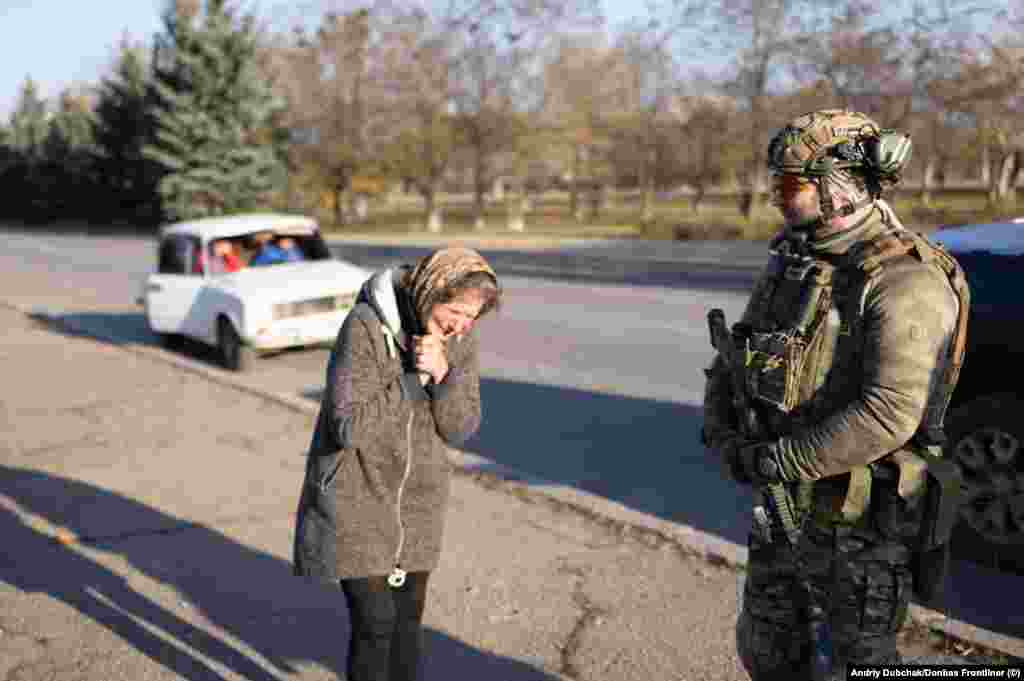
(377, 477)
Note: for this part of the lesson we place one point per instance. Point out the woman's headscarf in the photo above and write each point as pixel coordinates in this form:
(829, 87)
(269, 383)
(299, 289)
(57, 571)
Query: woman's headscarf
(440, 270)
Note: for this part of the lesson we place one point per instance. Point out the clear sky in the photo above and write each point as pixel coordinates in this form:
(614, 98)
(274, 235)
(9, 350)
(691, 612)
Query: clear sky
(61, 42)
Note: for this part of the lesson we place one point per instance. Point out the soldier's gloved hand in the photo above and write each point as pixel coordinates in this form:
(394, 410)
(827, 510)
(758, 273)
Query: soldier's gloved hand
(759, 462)
(729, 452)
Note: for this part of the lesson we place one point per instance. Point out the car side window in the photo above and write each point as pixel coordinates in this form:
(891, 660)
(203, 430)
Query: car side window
(179, 255)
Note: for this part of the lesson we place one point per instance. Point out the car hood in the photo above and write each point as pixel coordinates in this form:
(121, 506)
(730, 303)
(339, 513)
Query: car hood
(998, 238)
(295, 281)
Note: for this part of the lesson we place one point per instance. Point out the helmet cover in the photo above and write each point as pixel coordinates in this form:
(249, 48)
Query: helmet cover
(818, 143)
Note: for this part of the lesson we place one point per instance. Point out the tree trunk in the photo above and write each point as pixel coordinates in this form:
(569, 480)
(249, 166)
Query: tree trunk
(697, 200)
(517, 206)
(928, 181)
(479, 206)
(597, 201)
(986, 167)
(750, 199)
(1003, 190)
(435, 223)
(339, 206)
(479, 191)
(360, 207)
(574, 187)
(647, 201)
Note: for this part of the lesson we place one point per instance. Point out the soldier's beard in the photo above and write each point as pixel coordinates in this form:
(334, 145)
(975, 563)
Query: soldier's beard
(836, 233)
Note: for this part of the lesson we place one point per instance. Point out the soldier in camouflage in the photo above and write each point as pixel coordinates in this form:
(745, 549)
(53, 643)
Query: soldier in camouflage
(829, 400)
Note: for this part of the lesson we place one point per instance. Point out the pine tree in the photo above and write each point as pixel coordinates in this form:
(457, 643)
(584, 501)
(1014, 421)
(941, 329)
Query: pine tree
(29, 122)
(125, 124)
(26, 179)
(216, 115)
(72, 128)
(67, 179)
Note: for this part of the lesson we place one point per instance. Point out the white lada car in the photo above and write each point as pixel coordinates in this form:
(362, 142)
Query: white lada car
(247, 284)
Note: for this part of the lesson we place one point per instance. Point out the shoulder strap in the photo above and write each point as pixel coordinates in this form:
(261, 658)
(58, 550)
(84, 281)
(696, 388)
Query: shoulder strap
(871, 259)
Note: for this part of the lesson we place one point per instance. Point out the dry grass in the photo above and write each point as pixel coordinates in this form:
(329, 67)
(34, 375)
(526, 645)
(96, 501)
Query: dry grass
(718, 217)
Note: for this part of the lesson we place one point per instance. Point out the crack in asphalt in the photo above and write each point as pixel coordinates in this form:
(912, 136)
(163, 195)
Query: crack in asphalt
(590, 615)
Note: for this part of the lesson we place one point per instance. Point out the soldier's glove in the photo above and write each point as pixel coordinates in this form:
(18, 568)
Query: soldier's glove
(728, 450)
(759, 462)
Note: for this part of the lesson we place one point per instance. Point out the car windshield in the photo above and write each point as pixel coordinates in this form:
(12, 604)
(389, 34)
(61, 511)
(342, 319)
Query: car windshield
(264, 249)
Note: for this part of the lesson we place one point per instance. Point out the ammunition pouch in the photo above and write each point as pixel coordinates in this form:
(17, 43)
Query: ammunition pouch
(776, 361)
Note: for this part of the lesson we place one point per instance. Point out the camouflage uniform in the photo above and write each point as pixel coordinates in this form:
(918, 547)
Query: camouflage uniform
(851, 359)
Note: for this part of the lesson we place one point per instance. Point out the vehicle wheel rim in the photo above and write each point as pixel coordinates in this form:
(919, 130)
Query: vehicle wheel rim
(992, 464)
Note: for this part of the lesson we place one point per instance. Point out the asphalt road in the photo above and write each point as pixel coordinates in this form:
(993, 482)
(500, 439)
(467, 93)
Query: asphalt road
(591, 379)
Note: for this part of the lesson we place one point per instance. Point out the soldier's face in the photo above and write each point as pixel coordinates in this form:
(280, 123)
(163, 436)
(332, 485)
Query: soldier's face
(796, 197)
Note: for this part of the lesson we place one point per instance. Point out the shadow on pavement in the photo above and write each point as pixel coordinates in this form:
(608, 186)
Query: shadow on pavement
(641, 453)
(645, 455)
(282, 624)
(130, 328)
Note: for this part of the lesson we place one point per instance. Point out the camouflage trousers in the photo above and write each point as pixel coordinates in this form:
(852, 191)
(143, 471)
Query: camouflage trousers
(860, 575)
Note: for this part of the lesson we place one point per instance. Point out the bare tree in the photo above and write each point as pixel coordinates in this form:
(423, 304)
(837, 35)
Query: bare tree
(586, 85)
(459, 64)
(337, 105)
(759, 35)
(654, 51)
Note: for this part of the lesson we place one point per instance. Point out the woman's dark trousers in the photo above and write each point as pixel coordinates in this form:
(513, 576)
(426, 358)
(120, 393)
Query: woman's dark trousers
(387, 633)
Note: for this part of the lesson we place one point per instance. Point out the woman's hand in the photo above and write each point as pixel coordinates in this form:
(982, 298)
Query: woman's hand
(430, 357)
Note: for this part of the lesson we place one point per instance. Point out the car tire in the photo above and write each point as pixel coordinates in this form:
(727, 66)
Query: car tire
(234, 355)
(171, 341)
(986, 439)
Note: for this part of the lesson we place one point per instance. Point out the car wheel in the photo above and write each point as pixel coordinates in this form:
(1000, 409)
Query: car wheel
(234, 355)
(171, 341)
(986, 439)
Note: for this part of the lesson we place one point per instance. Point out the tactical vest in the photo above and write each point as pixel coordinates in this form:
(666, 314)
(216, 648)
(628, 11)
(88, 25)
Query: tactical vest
(805, 339)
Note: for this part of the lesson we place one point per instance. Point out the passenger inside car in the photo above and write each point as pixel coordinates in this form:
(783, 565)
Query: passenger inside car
(271, 251)
(225, 257)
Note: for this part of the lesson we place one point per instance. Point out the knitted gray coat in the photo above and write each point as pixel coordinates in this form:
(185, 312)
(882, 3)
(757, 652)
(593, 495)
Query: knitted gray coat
(377, 476)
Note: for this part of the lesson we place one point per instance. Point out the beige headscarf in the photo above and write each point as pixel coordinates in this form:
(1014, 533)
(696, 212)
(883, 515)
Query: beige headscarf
(439, 270)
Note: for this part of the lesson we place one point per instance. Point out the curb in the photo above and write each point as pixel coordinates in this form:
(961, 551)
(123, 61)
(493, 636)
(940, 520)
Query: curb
(649, 529)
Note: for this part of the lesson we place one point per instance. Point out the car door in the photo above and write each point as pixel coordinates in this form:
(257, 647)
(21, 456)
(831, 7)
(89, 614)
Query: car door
(172, 291)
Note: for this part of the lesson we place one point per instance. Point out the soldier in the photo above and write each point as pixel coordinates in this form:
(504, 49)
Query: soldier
(828, 398)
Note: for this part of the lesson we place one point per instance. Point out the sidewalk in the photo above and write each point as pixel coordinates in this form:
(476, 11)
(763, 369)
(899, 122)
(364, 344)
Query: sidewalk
(149, 512)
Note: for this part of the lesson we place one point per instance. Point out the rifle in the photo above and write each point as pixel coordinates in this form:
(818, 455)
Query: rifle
(734, 349)
(771, 502)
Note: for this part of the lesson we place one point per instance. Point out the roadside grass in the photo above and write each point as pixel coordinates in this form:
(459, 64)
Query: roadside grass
(717, 217)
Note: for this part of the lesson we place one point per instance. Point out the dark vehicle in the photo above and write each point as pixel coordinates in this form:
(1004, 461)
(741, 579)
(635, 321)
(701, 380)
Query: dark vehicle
(985, 421)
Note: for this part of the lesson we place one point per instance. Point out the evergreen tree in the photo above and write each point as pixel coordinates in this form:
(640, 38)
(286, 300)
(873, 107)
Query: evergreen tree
(215, 116)
(72, 128)
(29, 122)
(125, 124)
(67, 179)
(26, 180)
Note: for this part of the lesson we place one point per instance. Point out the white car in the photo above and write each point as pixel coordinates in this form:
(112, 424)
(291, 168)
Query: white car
(227, 282)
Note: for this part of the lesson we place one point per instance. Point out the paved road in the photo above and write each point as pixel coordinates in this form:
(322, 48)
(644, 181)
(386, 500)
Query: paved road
(147, 518)
(592, 385)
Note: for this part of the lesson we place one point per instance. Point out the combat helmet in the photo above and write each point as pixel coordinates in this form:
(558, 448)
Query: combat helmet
(818, 144)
